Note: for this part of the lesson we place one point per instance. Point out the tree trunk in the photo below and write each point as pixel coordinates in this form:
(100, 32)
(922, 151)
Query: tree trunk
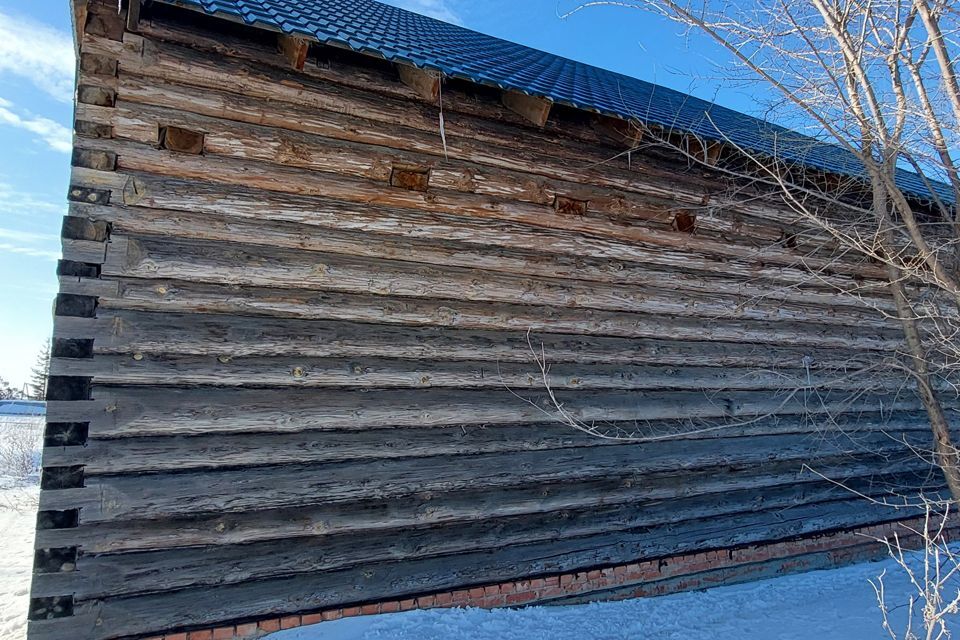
(945, 452)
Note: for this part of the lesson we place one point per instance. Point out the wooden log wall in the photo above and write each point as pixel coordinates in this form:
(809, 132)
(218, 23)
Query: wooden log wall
(295, 346)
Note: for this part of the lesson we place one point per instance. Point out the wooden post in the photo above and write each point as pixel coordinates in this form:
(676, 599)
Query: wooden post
(133, 15)
(294, 49)
(532, 108)
(425, 84)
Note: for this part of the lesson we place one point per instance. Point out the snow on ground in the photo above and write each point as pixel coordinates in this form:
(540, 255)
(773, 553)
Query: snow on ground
(20, 440)
(835, 604)
(18, 516)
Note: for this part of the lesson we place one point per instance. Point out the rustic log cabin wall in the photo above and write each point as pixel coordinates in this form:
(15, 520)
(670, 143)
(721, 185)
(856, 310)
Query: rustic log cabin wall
(292, 364)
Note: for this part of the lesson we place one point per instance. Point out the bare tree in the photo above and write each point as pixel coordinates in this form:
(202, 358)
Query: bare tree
(6, 391)
(878, 79)
(933, 574)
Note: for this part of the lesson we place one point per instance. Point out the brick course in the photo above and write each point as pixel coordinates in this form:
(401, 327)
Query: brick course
(647, 578)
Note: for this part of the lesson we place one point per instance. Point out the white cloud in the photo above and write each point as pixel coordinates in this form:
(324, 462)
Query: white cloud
(439, 9)
(54, 134)
(38, 53)
(18, 203)
(32, 252)
(27, 236)
(27, 243)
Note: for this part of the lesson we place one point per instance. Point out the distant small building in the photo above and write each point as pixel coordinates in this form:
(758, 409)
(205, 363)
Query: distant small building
(22, 408)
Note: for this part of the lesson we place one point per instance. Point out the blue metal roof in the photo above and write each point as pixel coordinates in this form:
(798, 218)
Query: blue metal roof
(402, 36)
(22, 408)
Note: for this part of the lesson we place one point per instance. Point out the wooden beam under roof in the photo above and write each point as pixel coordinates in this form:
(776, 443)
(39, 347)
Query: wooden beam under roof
(294, 50)
(531, 108)
(425, 84)
(133, 15)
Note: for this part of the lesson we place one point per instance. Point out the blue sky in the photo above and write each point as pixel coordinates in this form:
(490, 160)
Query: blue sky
(36, 79)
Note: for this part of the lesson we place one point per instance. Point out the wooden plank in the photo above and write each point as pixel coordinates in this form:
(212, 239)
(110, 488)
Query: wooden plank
(378, 515)
(123, 332)
(392, 118)
(133, 15)
(82, 286)
(424, 83)
(215, 263)
(532, 108)
(89, 251)
(158, 571)
(445, 252)
(122, 412)
(389, 373)
(297, 149)
(171, 495)
(294, 50)
(134, 157)
(179, 296)
(152, 454)
(352, 78)
(374, 107)
(238, 202)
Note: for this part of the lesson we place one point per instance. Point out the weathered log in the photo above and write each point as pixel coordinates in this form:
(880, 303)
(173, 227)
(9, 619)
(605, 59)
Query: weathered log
(164, 453)
(179, 296)
(216, 263)
(280, 487)
(123, 332)
(156, 572)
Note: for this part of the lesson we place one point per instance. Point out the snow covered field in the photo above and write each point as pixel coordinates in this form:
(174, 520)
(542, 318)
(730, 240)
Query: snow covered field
(19, 494)
(838, 604)
(18, 516)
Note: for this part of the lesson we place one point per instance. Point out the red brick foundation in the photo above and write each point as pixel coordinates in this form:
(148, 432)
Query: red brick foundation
(647, 578)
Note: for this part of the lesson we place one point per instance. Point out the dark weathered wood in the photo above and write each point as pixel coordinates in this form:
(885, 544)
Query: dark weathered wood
(377, 515)
(164, 453)
(101, 576)
(168, 495)
(378, 581)
(133, 411)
